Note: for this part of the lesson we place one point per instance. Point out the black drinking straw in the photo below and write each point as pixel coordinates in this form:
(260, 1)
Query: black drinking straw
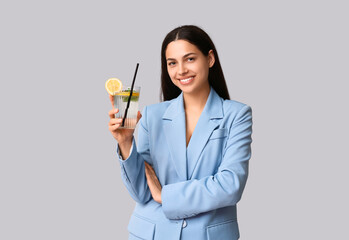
(129, 99)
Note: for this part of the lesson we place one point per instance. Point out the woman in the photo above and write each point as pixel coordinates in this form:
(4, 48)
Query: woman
(190, 166)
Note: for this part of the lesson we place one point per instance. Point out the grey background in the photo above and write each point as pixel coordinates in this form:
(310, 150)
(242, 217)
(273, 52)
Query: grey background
(59, 177)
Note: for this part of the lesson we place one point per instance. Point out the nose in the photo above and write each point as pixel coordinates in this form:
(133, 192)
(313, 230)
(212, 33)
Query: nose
(182, 70)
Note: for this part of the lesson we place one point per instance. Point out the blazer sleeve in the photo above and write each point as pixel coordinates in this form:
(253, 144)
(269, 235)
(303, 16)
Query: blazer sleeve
(224, 188)
(132, 169)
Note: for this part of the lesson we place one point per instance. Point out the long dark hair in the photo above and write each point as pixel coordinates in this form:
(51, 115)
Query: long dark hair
(203, 42)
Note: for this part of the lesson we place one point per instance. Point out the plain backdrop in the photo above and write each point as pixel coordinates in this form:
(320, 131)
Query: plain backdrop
(288, 60)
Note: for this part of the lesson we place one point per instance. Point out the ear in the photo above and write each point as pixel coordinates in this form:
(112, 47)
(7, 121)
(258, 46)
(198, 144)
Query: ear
(211, 58)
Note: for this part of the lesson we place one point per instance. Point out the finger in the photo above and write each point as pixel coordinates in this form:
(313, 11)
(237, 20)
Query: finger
(113, 112)
(149, 180)
(114, 127)
(111, 98)
(146, 169)
(114, 121)
(151, 171)
(147, 174)
(149, 168)
(139, 116)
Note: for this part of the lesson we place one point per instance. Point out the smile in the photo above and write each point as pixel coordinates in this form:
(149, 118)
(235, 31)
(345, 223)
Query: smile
(186, 80)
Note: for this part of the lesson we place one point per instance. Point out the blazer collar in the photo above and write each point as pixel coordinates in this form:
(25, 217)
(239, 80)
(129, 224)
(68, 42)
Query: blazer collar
(213, 107)
(185, 159)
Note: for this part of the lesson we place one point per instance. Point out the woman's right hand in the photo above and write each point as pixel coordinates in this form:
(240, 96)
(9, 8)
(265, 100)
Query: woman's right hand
(123, 136)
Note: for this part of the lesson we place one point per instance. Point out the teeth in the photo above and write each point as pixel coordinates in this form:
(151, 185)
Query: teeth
(186, 80)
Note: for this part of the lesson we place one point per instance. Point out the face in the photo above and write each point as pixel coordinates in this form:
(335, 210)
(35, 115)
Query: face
(188, 67)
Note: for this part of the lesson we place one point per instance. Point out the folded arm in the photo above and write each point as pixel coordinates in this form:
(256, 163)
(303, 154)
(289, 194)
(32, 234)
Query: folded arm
(189, 198)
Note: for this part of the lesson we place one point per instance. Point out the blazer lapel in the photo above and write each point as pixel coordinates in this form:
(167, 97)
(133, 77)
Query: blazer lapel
(209, 120)
(175, 132)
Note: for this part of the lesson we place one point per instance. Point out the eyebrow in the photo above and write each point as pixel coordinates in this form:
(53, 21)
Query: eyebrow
(186, 55)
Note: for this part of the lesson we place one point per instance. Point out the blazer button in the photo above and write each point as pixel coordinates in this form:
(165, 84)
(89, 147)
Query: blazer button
(184, 224)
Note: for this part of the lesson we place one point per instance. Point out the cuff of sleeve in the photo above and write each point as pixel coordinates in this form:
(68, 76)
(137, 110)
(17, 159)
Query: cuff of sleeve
(166, 197)
(131, 160)
(170, 205)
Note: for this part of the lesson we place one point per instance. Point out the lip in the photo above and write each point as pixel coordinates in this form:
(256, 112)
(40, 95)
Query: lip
(186, 81)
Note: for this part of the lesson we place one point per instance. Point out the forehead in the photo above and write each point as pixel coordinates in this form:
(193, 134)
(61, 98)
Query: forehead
(179, 48)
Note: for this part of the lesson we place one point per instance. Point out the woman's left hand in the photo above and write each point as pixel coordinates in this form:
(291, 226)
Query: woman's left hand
(153, 183)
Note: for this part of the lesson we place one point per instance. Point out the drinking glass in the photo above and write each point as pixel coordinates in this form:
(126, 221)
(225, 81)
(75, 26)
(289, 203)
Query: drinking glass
(120, 102)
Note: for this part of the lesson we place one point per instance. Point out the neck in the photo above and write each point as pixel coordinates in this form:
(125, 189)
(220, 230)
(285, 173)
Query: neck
(196, 101)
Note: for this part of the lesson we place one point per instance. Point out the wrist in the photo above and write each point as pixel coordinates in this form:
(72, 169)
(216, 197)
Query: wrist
(125, 141)
(125, 148)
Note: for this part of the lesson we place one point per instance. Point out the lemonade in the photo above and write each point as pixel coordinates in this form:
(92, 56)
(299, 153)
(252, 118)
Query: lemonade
(120, 102)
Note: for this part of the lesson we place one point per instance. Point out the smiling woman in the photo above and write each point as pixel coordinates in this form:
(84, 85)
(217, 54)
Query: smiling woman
(188, 67)
(190, 166)
(196, 41)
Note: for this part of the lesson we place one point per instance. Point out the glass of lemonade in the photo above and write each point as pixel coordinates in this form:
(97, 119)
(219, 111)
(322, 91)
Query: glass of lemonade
(120, 102)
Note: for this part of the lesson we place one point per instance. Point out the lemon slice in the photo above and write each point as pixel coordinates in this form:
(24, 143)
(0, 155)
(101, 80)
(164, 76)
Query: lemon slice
(113, 85)
(134, 94)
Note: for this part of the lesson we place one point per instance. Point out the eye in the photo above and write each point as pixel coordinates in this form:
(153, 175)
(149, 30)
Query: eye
(191, 59)
(171, 63)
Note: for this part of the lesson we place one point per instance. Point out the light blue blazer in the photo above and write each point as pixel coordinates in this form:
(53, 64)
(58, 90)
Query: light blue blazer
(201, 183)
